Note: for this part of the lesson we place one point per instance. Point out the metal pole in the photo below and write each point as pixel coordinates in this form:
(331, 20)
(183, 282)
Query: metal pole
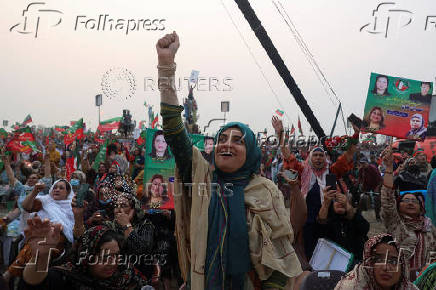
(99, 115)
(224, 118)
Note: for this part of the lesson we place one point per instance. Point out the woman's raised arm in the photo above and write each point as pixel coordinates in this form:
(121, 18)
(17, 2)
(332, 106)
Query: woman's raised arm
(173, 127)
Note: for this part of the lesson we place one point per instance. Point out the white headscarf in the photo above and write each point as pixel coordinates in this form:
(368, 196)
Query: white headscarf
(58, 211)
(310, 175)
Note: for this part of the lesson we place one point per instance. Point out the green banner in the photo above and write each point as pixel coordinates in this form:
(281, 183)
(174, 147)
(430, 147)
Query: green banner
(159, 170)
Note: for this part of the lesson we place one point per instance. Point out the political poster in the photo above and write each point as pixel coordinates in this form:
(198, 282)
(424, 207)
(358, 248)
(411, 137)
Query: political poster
(159, 170)
(397, 107)
(431, 130)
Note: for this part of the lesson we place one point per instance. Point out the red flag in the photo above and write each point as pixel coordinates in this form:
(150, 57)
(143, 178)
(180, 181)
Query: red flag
(141, 140)
(154, 123)
(23, 141)
(26, 121)
(75, 132)
(292, 130)
(109, 125)
(98, 138)
(142, 125)
(61, 129)
(299, 126)
(72, 163)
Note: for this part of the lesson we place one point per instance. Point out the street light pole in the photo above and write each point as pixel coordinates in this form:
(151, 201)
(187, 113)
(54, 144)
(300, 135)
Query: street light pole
(225, 107)
(98, 102)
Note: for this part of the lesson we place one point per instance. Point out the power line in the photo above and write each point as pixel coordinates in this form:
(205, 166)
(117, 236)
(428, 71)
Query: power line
(305, 50)
(313, 63)
(255, 60)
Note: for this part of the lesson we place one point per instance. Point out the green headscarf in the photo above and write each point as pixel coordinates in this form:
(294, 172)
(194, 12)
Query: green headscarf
(227, 254)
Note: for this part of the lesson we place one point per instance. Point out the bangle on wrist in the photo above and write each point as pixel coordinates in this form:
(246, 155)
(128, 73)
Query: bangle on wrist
(167, 67)
(389, 172)
(126, 227)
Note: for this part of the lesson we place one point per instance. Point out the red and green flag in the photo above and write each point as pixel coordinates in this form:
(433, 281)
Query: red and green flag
(299, 126)
(101, 156)
(142, 125)
(73, 133)
(23, 141)
(73, 162)
(292, 130)
(27, 120)
(98, 137)
(155, 120)
(3, 133)
(110, 124)
(141, 140)
(16, 126)
(61, 129)
(280, 112)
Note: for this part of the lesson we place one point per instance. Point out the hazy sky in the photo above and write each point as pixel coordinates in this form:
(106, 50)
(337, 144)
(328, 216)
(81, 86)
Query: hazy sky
(56, 75)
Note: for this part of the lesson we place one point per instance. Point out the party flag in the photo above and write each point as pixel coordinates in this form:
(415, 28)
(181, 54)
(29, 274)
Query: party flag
(27, 120)
(280, 112)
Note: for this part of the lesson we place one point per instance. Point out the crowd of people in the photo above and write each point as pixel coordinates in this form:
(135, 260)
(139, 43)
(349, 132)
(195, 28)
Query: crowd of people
(255, 225)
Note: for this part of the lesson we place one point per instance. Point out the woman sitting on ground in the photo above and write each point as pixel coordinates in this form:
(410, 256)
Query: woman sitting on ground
(383, 267)
(55, 207)
(339, 222)
(95, 265)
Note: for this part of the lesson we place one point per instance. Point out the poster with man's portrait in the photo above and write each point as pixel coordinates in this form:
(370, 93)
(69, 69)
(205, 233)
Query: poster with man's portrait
(397, 107)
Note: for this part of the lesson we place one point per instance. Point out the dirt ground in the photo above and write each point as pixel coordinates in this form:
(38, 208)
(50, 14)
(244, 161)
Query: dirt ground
(374, 226)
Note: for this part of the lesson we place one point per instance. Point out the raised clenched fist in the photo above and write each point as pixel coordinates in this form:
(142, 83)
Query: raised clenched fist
(167, 48)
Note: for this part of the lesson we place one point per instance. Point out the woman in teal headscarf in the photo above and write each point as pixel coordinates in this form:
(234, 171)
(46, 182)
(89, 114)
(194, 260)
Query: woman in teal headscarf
(227, 220)
(234, 233)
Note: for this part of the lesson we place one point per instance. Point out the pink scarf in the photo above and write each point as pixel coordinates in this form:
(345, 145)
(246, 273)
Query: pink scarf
(311, 174)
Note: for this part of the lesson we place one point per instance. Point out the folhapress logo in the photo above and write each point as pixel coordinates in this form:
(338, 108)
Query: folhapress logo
(36, 16)
(107, 23)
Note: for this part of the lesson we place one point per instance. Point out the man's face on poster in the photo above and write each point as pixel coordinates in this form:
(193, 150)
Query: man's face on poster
(425, 88)
(208, 146)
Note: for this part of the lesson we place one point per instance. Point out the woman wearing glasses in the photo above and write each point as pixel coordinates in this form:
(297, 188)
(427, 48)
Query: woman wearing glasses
(404, 219)
(383, 267)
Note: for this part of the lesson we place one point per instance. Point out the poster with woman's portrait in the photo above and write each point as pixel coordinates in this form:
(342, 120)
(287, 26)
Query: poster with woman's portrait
(159, 171)
(157, 152)
(397, 107)
(158, 189)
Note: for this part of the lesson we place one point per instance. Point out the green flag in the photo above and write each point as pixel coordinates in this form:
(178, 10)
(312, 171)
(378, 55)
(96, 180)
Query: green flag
(101, 156)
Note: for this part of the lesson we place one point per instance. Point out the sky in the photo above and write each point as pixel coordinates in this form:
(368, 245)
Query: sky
(56, 75)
